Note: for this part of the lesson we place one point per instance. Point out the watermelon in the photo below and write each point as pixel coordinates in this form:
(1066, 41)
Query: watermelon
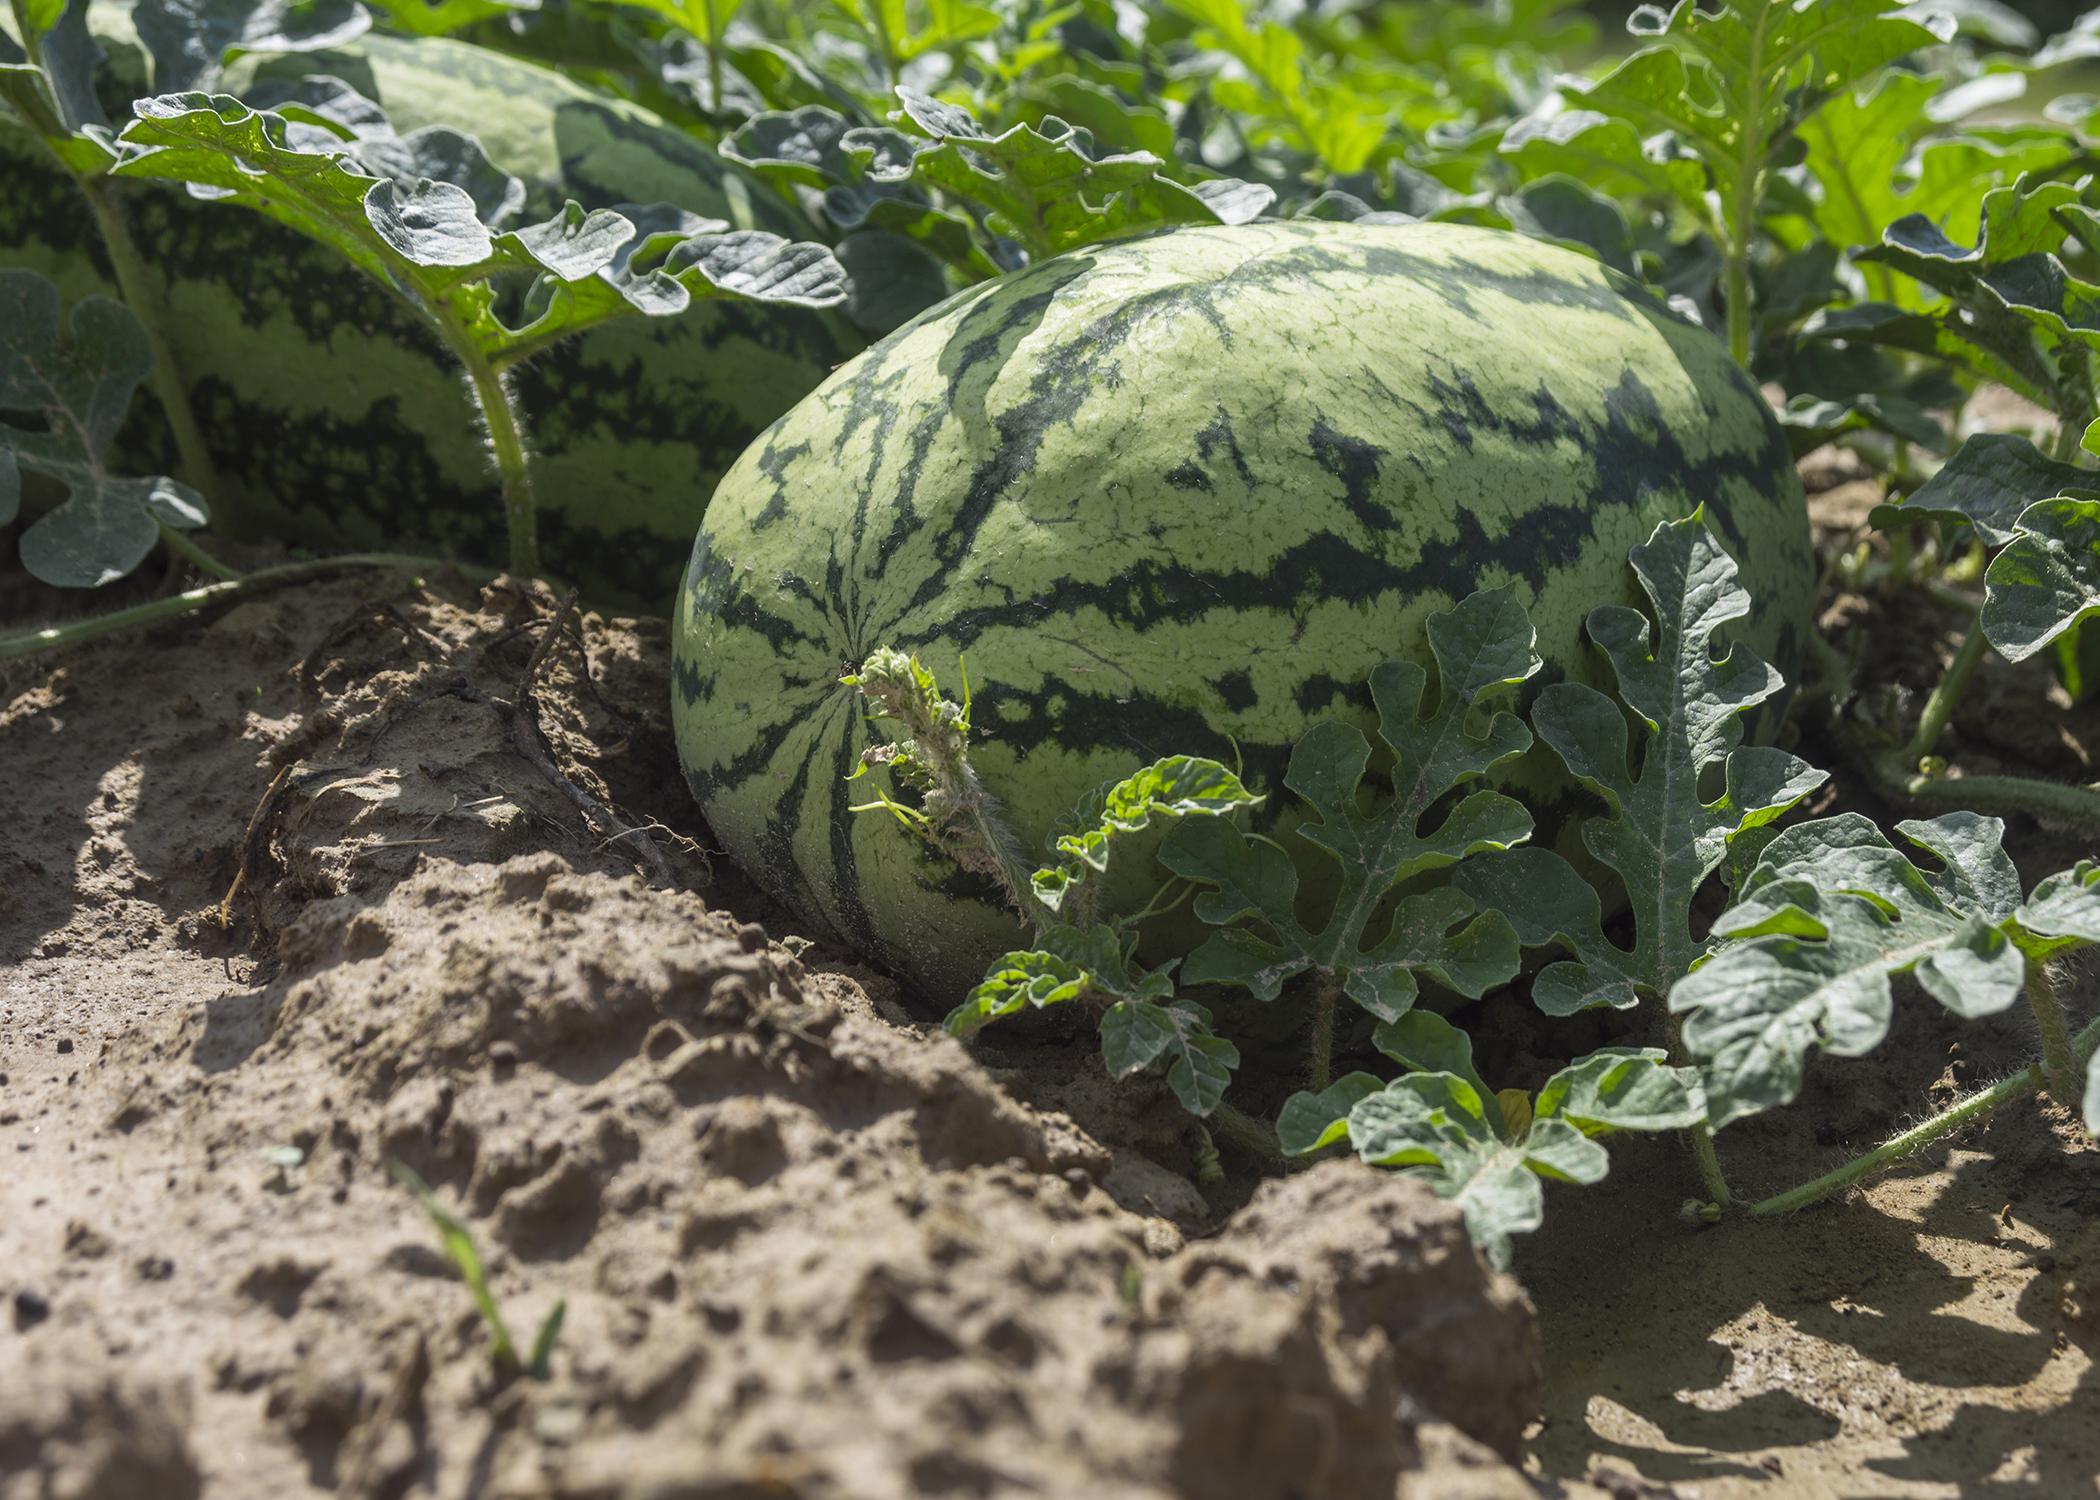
(337, 421)
(1180, 495)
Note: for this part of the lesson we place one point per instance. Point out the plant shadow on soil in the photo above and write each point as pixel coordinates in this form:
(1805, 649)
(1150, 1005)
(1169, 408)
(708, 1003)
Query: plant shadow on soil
(636, 1126)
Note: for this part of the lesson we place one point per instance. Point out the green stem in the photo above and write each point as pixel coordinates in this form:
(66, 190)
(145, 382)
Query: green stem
(1736, 274)
(2027, 1081)
(56, 637)
(2070, 433)
(513, 462)
(1899, 553)
(1939, 708)
(1708, 1161)
(139, 296)
(2057, 1070)
(714, 60)
(1249, 1134)
(195, 555)
(1326, 997)
(1701, 1136)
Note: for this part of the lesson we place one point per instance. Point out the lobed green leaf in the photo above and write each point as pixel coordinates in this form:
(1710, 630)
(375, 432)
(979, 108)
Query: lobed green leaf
(1482, 648)
(1659, 834)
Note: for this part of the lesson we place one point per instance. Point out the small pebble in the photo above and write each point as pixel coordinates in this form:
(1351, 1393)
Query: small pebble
(30, 1310)
(65, 1044)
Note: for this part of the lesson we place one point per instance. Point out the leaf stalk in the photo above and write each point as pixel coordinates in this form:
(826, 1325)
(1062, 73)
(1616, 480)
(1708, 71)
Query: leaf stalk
(2058, 1071)
(129, 267)
(499, 412)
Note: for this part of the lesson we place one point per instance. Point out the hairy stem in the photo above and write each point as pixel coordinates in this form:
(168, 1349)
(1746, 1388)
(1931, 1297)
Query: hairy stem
(2053, 802)
(56, 637)
(139, 296)
(2027, 1081)
(2057, 1069)
(1939, 708)
(1327, 995)
(499, 411)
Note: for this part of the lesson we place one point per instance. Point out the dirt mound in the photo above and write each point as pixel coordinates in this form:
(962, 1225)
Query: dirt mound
(805, 1249)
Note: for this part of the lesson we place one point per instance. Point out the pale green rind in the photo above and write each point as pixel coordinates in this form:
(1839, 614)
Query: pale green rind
(1180, 496)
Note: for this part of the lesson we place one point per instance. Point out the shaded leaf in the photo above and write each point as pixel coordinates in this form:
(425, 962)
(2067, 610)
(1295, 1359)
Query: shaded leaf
(1988, 483)
(78, 382)
(1135, 1034)
(190, 41)
(1423, 1042)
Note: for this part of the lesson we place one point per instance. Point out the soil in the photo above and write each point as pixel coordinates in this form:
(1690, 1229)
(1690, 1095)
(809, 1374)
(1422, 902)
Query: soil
(379, 873)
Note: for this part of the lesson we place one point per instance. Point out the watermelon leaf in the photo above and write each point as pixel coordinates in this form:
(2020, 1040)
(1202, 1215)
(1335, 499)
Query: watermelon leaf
(1084, 838)
(2009, 295)
(1136, 1034)
(1732, 86)
(1623, 1088)
(443, 17)
(1482, 648)
(191, 40)
(1831, 913)
(1439, 1125)
(392, 206)
(1988, 483)
(1336, 124)
(1313, 1121)
(1660, 834)
(78, 382)
(1424, 1042)
(47, 83)
(2046, 580)
(1488, 1151)
(815, 146)
(1046, 186)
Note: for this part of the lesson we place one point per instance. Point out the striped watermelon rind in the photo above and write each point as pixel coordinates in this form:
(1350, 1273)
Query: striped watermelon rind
(1180, 495)
(336, 419)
